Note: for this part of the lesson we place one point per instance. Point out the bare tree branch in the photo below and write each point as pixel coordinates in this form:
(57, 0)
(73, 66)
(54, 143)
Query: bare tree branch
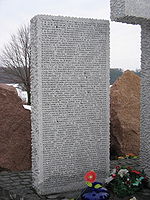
(16, 58)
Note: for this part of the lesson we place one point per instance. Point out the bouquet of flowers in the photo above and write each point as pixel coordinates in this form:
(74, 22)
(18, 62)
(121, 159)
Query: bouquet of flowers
(128, 156)
(125, 181)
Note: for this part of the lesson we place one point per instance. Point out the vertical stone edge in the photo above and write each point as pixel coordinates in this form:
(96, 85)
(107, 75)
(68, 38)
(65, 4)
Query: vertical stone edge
(108, 98)
(106, 118)
(106, 112)
(145, 96)
(36, 104)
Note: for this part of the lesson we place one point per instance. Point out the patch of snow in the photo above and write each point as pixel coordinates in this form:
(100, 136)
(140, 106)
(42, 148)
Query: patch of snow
(14, 85)
(27, 107)
(22, 94)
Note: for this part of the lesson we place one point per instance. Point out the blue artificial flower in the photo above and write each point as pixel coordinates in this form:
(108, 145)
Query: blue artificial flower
(95, 196)
(95, 192)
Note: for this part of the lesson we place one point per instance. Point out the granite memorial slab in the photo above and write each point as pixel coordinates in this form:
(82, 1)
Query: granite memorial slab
(70, 101)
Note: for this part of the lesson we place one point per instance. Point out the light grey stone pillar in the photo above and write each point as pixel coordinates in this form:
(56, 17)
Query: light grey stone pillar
(145, 98)
(70, 101)
(138, 12)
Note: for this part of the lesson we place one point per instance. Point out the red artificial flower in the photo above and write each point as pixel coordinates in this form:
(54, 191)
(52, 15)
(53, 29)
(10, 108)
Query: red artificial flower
(129, 168)
(136, 172)
(90, 176)
(117, 167)
(113, 175)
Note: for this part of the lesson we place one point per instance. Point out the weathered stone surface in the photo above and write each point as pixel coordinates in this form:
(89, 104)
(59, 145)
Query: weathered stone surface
(125, 114)
(70, 101)
(15, 136)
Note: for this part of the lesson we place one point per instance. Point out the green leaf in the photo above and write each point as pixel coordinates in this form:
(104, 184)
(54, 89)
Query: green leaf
(136, 184)
(97, 186)
(141, 178)
(89, 184)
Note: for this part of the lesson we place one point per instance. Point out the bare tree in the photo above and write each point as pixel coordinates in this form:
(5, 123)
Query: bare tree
(16, 59)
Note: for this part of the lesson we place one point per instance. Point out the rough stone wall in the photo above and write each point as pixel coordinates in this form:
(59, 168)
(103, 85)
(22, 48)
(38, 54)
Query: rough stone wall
(138, 12)
(145, 98)
(70, 101)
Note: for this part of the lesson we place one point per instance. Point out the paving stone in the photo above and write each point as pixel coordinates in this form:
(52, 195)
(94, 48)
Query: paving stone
(25, 177)
(4, 178)
(4, 173)
(28, 192)
(14, 178)
(26, 183)
(51, 197)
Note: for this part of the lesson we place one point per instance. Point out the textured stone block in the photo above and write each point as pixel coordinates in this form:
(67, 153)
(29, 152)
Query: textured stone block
(70, 101)
(138, 12)
(145, 98)
(130, 11)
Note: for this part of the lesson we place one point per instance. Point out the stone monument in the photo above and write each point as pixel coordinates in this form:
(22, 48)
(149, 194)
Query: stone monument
(70, 101)
(138, 12)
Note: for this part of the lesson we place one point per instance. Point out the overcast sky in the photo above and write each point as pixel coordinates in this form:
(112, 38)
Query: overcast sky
(124, 39)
